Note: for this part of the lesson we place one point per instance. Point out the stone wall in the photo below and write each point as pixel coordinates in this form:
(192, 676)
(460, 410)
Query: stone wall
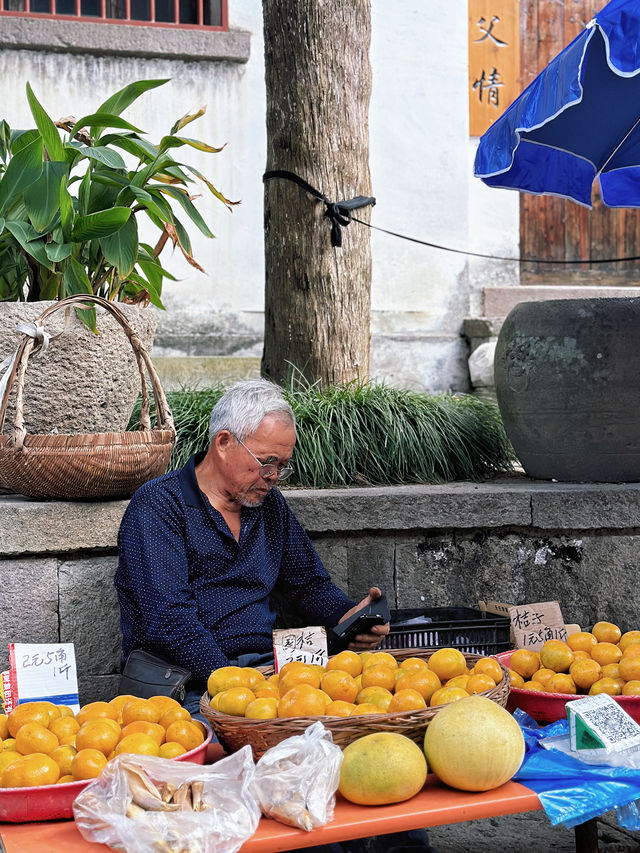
(512, 540)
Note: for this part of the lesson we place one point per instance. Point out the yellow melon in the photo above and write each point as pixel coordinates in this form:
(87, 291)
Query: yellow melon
(382, 768)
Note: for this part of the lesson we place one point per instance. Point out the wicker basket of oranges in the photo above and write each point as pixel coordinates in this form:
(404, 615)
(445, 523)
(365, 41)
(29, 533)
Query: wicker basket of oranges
(355, 694)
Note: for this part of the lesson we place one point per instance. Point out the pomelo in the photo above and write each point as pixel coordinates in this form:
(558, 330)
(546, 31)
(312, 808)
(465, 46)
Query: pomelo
(474, 744)
(382, 768)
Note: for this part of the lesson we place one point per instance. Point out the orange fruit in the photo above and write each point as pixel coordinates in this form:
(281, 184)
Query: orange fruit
(64, 779)
(68, 740)
(64, 726)
(140, 709)
(300, 675)
(585, 673)
(631, 650)
(556, 655)
(611, 670)
(606, 632)
(138, 743)
(171, 749)
(185, 733)
(4, 726)
(379, 675)
(339, 708)
(154, 730)
(9, 743)
(174, 714)
(96, 710)
(254, 677)
(7, 757)
(302, 700)
(118, 703)
(533, 685)
(631, 688)
(30, 770)
(422, 679)
(542, 675)
(366, 708)
(561, 682)
(406, 700)
(456, 681)
(525, 662)
(580, 653)
(629, 638)
(232, 701)
(447, 663)
(339, 684)
(97, 734)
(479, 682)
(605, 652)
(224, 678)
(213, 703)
(346, 661)
(54, 710)
(376, 658)
(65, 711)
(63, 756)
(581, 641)
(262, 709)
(87, 764)
(516, 679)
(164, 703)
(414, 663)
(28, 712)
(32, 737)
(446, 695)
(629, 668)
(201, 727)
(266, 692)
(379, 696)
(606, 685)
(490, 667)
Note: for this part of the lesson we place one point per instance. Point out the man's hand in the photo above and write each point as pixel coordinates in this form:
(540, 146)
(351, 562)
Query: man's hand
(364, 642)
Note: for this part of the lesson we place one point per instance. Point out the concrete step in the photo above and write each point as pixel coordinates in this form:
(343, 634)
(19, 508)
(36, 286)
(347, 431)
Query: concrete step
(498, 301)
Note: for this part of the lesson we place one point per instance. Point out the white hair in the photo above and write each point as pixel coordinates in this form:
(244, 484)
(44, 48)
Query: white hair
(243, 406)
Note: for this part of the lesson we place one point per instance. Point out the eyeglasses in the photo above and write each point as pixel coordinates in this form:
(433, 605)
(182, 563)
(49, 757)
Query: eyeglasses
(269, 469)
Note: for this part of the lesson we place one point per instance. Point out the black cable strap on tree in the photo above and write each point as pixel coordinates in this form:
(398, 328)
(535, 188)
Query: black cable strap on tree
(339, 212)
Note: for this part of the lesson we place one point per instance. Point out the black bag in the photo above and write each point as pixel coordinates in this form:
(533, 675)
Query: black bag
(147, 675)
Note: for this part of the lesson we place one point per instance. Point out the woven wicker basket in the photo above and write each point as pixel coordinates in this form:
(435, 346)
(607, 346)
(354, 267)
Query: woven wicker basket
(85, 466)
(235, 732)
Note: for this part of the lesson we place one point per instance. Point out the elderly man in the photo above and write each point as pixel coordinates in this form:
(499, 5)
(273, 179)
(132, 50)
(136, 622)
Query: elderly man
(201, 548)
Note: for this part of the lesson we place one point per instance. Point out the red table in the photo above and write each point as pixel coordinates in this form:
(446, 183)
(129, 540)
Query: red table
(435, 804)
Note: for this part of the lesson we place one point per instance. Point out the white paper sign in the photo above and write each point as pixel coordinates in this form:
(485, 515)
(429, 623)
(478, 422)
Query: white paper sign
(308, 645)
(44, 671)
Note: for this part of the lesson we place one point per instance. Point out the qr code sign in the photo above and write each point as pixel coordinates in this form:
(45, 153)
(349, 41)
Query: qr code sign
(600, 723)
(611, 723)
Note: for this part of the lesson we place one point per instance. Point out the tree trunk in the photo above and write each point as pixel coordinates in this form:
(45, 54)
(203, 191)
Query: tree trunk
(318, 297)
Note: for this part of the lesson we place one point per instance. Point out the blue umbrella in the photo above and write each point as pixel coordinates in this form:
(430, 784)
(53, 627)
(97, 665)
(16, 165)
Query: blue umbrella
(577, 121)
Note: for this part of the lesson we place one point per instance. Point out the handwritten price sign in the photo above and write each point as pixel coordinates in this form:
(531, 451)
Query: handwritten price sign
(308, 645)
(534, 624)
(43, 671)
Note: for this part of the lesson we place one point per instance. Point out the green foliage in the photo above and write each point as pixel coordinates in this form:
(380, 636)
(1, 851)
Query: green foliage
(368, 434)
(70, 204)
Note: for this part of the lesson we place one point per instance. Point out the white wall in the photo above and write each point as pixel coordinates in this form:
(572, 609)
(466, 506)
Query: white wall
(421, 166)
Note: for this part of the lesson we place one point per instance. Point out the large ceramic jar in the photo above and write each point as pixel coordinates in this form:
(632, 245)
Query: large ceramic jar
(567, 375)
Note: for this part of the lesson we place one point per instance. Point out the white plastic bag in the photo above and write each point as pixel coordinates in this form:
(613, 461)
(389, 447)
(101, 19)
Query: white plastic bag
(296, 781)
(227, 812)
(481, 365)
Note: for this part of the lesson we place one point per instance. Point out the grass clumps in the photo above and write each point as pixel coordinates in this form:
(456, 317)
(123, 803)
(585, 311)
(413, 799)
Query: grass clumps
(368, 434)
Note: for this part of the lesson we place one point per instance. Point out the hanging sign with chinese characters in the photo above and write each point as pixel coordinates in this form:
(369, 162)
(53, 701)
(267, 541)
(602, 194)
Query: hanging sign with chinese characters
(494, 60)
(43, 672)
(534, 624)
(308, 645)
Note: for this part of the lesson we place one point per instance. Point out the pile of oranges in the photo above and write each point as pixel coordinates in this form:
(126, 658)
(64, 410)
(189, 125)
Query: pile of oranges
(44, 744)
(351, 684)
(603, 660)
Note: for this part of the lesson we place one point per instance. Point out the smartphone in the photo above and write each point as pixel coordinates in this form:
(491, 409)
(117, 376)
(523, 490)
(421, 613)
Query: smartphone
(360, 622)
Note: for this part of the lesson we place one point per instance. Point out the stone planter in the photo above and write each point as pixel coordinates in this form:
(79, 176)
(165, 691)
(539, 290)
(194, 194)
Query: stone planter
(84, 383)
(566, 374)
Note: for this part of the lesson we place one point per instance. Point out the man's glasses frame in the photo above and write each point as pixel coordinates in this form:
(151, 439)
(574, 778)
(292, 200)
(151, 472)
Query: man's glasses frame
(269, 469)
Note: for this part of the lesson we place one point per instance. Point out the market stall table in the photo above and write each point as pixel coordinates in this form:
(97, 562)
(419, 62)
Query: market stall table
(434, 805)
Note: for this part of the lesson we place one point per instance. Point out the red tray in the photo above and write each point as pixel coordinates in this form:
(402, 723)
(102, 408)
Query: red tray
(549, 707)
(54, 802)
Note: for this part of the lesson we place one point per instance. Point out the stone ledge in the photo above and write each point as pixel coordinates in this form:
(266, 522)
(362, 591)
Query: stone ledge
(85, 37)
(59, 527)
(498, 301)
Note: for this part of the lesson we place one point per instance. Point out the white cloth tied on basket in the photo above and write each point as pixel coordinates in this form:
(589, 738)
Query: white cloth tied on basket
(41, 337)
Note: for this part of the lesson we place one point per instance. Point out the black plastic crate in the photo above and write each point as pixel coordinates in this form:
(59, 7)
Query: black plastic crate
(471, 631)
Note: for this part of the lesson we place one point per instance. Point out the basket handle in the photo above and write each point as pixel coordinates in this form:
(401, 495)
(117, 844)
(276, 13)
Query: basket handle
(25, 350)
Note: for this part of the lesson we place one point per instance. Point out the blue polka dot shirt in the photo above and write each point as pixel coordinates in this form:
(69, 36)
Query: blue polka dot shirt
(191, 593)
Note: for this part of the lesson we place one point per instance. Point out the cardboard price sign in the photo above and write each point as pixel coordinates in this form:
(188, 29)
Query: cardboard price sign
(308, 645)
(534, 624)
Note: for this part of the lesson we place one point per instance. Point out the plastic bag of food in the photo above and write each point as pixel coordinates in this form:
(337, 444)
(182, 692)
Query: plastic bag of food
(296, 781)
(144, 804)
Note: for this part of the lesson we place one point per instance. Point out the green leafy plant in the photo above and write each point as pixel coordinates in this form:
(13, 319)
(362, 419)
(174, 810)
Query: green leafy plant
(367, 434)
(71, 196)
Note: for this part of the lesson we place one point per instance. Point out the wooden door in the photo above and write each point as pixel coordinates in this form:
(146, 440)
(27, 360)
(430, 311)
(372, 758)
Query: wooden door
(559, 229)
